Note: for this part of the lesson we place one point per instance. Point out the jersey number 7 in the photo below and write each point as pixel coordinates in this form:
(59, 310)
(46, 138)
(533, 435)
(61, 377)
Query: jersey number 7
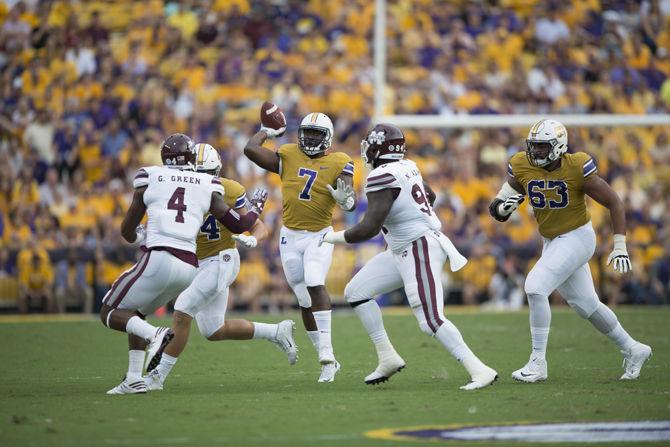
(311, 176)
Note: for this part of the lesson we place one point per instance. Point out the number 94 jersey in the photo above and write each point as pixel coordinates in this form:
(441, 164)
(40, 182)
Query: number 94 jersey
(556, 196)
(411, 215)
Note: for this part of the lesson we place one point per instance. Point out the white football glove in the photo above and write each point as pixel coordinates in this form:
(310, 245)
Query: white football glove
(273, 133)
(512, 203)
(257, 201)
(620, 255)
(246, 241)
(141, 233)
(332, 237)
(343, 194)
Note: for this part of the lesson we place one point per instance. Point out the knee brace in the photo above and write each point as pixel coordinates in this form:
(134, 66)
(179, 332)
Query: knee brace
(603, 319)
(351, 295)
(304, 300)
(209, 324)
(585, 306)
(535, 283)
(293, 270)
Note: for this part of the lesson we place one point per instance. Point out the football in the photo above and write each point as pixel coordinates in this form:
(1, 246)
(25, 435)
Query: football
(272, 116)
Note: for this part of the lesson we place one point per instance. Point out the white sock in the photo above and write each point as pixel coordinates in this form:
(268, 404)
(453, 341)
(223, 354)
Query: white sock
(166, 364)
(451, 338)
(323, 319)
(314, 338)
(135, 364)
(139, 327)
(540, 321)
(371, 316)
(265, 331)
(619, 336)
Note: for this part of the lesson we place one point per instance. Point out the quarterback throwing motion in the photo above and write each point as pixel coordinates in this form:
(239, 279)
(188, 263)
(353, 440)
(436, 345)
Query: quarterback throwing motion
(399, 205)
(556, 183)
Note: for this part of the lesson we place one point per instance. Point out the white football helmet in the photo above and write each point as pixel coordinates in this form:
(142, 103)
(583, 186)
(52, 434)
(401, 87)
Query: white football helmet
(315, 134)
(547, 141)
(207, 159)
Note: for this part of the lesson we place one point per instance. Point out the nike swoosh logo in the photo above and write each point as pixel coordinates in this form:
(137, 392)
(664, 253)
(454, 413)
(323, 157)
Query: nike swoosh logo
(323, 167)
(526, 375)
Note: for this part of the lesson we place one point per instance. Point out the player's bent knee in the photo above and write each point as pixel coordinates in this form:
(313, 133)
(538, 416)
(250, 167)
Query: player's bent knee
(584, 307)
(535, 284)
(425, 328)
(293, 271)
(351, 295)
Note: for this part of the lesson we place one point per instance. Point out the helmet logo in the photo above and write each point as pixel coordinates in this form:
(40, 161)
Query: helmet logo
(376, 137)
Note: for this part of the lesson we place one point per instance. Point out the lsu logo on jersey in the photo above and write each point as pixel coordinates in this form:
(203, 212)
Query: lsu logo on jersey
(557, 196)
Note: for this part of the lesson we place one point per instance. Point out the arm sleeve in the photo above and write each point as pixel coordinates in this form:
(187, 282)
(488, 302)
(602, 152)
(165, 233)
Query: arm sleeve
(380, 181)
(589, 167)
(348, 168)
(141, 178)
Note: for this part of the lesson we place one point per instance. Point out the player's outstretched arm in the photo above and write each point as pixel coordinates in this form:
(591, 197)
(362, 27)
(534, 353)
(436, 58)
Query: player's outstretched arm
(134, 215)
(258, 232)
(600, 191)
(265, 158)
(507, 200)
(379, 206)
(238, 223)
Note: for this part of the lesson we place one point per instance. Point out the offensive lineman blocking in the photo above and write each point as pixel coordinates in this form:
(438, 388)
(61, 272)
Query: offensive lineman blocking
(399, 206)
(313, 181)
(175, 199)
(556, 183)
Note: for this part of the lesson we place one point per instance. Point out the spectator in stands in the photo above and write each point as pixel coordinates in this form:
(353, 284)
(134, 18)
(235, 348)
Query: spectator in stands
(71, 283)
(36, 284)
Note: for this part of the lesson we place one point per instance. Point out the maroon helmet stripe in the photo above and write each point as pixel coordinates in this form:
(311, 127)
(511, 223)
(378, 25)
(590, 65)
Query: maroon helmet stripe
(120, 279)
(419, 282)
(431, 283)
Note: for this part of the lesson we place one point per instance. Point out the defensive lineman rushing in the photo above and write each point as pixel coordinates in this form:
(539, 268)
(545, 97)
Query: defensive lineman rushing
(556, 183)
(175, 198)
(399, 206)
(206, 299)
(313, 181)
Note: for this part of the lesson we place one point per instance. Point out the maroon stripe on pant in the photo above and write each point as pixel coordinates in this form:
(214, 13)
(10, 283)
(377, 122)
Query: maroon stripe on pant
(135, 277)
(431, 283)
(419, 282)
(120, 279)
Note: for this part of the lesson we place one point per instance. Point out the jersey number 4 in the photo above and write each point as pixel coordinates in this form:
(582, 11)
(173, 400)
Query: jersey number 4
(538, 198)
(311, 176)
(210, 228)
(176, 203)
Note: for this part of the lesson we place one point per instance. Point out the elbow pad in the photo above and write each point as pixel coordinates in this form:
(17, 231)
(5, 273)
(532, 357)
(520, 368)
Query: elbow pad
(237, 223)
(493, 210)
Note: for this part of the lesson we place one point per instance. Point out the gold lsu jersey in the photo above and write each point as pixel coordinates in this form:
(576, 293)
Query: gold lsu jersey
(214, 237)
(306, 202)
(556, 196)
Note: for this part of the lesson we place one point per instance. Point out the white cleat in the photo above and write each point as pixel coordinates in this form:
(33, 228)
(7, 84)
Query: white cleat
(129, 387)
(634, 359)
(482, 379)
(156, 347)
(388, 365)
(154, 381)
(534, 371)
(285, 341)
(328, 371)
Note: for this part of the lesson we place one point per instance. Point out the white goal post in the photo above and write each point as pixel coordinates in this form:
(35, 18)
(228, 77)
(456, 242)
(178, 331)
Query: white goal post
(468, 121)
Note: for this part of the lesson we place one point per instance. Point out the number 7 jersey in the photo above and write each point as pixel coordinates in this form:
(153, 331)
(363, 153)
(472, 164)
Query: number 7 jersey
(556, 196)
(411, 215)
(176, 203)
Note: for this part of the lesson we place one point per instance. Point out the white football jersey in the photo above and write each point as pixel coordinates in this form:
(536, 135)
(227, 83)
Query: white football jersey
(176, 202)
(411, 215)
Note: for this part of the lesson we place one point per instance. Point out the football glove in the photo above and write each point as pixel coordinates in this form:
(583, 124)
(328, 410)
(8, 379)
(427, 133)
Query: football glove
(273, 133)
(257, 201)
(246, 241)
(512, 203)
(343, 194)
(619, 255)
(332, 237)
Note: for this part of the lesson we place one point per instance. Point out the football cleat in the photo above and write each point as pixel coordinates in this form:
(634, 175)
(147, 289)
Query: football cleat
(328, 371)
(388, 365)
(156, 347)
(482, 379)
(154, 381)
(534, 371)
(129, 387)
(284, 340)
(634, 359)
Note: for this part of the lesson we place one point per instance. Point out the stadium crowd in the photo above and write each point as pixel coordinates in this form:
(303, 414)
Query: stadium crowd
(90, 89)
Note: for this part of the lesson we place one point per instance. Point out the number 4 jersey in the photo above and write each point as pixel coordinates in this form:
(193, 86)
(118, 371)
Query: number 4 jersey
(556, 196)
(176, 203)
(411, 215)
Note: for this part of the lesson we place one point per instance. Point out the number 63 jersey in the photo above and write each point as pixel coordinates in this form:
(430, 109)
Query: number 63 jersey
(176, 202)
(411, 215)
(556, 196)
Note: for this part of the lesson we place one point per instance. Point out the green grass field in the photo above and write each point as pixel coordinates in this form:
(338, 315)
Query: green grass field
(54, 375)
